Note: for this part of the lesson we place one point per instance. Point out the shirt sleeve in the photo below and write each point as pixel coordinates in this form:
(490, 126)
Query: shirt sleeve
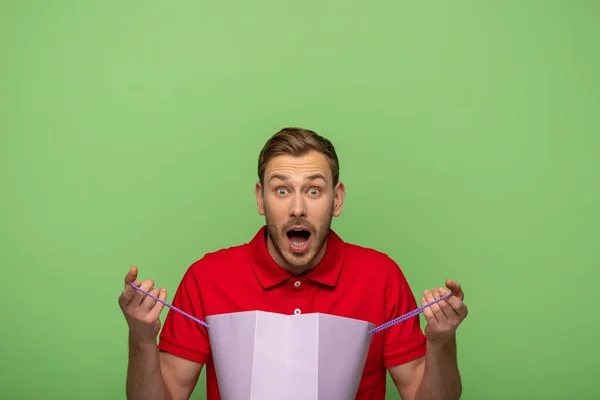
(181, 335)
(404, 341)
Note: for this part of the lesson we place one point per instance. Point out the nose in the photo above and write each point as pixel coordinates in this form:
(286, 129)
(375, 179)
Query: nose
(298, 207)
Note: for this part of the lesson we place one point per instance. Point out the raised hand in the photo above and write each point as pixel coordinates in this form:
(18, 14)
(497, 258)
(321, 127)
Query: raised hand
(141, 312)
(444, 317)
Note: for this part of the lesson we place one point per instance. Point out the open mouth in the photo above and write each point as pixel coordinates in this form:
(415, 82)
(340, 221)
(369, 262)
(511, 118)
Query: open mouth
(299, 238)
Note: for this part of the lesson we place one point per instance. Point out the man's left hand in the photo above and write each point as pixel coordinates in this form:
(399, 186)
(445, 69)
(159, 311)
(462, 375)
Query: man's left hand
(444, 317)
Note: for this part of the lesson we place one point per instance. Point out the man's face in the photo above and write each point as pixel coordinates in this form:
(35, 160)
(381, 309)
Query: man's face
(298, 202)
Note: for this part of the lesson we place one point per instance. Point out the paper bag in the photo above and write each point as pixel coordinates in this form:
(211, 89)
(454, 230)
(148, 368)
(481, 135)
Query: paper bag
(267, 356)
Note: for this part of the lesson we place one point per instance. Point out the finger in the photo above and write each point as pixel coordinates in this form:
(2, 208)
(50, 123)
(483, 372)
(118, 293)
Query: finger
(458, 306)
(129, 293)
(149, 301)
(435, 309)
(444, 306)
(157, 308)
(455, 288)
(147, 285)
(431, 320)
(438, 309)
(451, 305)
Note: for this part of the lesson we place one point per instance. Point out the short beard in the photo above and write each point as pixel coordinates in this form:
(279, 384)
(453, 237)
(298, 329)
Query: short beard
(319, 239)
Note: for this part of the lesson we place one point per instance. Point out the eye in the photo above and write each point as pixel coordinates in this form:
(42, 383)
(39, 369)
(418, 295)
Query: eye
(314, 192)
(281, 192)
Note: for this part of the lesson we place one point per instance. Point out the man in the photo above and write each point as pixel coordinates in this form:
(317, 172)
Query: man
(295, 264)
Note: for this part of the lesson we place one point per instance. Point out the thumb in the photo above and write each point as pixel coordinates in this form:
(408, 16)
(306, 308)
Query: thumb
(455, 288)
(131, 276)
(129, 291)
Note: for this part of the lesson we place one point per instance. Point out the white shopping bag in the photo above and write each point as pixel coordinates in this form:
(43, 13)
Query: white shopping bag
(267, 356)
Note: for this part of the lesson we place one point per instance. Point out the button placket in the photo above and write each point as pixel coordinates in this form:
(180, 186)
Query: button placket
(297, 296)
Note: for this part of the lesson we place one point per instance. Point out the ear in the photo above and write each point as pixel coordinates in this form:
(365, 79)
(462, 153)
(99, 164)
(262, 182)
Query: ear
(260, 201)
(339, 192)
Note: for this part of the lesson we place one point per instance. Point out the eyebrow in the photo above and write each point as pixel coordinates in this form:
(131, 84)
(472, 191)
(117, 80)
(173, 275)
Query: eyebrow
(310, 177)
(317, 176)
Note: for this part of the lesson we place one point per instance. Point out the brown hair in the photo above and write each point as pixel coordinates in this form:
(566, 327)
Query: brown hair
(296, 142)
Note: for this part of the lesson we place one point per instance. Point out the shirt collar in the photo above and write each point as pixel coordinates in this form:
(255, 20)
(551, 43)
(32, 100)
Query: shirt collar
(270, 274)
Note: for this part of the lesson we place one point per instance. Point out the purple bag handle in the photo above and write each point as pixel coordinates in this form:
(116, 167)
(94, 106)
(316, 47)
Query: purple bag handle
(374, 330)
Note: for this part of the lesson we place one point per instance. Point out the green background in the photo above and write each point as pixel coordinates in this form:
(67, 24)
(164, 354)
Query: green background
(468, 140)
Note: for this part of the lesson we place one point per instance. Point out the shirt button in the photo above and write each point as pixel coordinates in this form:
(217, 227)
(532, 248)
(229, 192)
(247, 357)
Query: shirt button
(297, 283)
(297, 311)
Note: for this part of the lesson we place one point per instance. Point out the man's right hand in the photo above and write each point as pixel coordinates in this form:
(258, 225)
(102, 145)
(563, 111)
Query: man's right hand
(142, 312)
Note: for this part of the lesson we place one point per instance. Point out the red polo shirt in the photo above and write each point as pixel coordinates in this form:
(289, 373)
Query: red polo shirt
(351, 281)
